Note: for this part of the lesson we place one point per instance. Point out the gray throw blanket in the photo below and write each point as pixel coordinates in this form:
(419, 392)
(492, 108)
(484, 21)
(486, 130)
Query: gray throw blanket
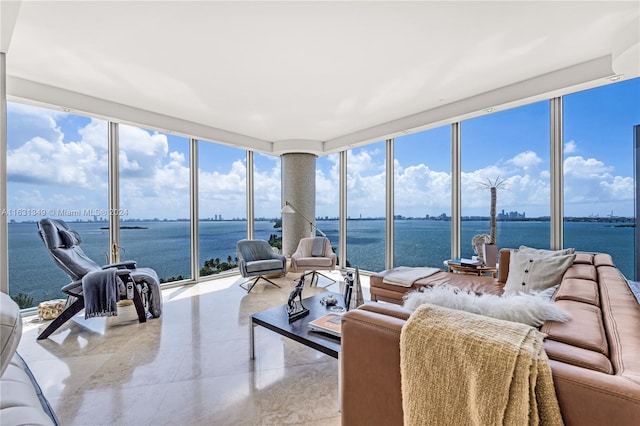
(100, 291)
(318, 247)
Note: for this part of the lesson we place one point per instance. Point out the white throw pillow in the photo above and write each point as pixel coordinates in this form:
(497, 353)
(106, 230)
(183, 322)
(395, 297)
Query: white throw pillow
(529, 273)
(531, 250)
(524, 308)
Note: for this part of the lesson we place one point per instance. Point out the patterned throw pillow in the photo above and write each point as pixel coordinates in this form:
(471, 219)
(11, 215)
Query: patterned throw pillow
(530, 273)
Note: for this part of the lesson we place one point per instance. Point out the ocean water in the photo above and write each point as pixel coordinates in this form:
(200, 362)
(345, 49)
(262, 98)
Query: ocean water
(165, 246)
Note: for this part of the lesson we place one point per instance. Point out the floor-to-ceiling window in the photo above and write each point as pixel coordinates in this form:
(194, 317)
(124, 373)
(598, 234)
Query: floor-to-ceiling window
(509, 150)
(154, 200)
(422, 198)
(57, 167)
(328, 197)
(267, 194)
(598, 170)
(222, 205)
(366, 207)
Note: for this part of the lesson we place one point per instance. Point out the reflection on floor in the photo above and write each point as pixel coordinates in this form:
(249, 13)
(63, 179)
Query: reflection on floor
(190, 366)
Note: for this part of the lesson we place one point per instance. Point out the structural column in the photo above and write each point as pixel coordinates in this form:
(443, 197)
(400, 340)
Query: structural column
(557, 176)
(299, 190)
(456, 197)
(4, 228)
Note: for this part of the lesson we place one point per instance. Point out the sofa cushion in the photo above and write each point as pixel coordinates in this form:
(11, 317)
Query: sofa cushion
(582, 257)
(603, 259)
(582, 271)
(310, 262)
(530, 273)
(585, 329)
(577, 356)
(264, 265)
(585, 291)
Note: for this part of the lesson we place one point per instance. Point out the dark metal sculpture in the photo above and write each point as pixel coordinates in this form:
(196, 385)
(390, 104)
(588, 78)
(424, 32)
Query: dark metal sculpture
(295, 309)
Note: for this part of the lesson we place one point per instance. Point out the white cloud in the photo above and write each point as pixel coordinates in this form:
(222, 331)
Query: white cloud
(155, 179)
(526, 160)
(420, 190)
(580, 167)
(223, 193)
(570, 147)
(365, 184)
(267, 186)
(592, 188)
(56, 163)
(365, 162)
(327, 193)
(46, 115)
(141, 152)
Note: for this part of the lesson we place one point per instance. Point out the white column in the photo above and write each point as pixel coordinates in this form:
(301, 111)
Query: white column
(193, 211)
(342, 230)
(4, 227)
(114, 192)
(557, 178)
(251, 196)
(456, 211)
(389, 207)
(299, 189)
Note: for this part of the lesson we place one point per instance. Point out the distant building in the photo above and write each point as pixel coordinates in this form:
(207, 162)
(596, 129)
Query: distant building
(510, 215)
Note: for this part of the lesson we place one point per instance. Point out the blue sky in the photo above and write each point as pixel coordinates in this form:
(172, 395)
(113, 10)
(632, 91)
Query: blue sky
(57, 160)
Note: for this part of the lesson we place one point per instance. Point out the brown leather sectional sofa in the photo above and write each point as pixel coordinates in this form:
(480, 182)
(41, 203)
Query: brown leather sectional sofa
(594, 357)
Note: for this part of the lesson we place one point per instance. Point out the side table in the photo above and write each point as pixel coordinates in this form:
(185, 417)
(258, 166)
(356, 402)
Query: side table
(472, 270)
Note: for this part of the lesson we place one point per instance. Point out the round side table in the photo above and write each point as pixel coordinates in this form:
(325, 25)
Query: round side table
(472, 270)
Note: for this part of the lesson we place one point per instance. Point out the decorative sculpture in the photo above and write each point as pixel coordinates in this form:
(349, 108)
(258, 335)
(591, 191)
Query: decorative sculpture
(296, 309)
(477, 243)
(353, 291)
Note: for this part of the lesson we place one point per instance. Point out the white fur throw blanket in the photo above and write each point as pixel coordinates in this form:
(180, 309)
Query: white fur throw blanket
(528, 309)
(463, 369)
(405, 276)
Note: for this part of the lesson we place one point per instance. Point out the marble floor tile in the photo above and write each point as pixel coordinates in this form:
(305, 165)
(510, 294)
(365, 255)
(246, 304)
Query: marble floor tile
(191, 366)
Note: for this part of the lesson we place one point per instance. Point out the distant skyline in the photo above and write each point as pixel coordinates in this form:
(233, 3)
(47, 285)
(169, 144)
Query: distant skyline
(58, 160)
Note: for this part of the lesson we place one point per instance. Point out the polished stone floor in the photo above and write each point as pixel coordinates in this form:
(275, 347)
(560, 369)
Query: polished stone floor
(191, 366)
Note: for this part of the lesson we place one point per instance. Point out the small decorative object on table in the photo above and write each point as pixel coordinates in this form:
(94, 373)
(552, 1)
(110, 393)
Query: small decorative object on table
(353, 290)
(329, 300)
(295, 309)
(332, 303)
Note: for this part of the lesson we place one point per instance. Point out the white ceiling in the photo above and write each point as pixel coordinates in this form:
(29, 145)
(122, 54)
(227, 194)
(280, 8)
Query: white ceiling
(309, 76)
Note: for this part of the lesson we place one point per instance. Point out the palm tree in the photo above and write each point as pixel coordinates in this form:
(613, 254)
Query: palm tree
(493, 187)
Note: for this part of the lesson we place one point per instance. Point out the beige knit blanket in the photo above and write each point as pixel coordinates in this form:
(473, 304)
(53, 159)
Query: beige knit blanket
(460, 368)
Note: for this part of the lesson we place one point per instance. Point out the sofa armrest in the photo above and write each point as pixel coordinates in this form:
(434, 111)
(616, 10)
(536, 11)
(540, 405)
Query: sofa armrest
(503, 261)
(370, 356)
(127, 264)
(588, 397)
(389, 309)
